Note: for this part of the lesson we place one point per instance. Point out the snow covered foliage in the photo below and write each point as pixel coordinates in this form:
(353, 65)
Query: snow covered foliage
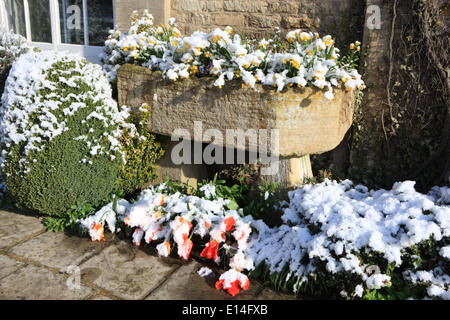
(176, 221)
(59, 132)
(11, 47)
(335, 236)
(302, 59)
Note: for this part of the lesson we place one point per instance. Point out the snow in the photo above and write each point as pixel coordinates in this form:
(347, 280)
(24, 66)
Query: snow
(308, 59)
(349, 220)
(205, 272)
(330, 222)
(23, 102)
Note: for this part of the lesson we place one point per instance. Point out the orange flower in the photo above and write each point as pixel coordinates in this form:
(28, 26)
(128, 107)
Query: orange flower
(157, 214)
(96, 232)
(184, 249)
(163, 249)
(231, 281)
(229, 223)
(137, 236)
(159, 200)
(210, 251)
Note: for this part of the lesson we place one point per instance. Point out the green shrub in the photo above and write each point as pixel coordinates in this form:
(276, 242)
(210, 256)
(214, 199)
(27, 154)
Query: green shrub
(141, 151)
(59, 131)
(11, 47)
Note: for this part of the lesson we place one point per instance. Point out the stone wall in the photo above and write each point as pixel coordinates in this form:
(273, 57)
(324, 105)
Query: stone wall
(256, 18)
(260, 17)
(123, 9)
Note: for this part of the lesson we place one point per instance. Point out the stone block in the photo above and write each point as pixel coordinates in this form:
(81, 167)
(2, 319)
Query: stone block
(126, 270)
(223, 19)
(57, 250)
(307, 123)
(34, 283)
(16, 226)
(281, 129)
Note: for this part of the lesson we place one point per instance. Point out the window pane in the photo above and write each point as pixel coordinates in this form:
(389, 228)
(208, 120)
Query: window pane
(100, 21)
(71, 19)
(16, 16)
(40, 20)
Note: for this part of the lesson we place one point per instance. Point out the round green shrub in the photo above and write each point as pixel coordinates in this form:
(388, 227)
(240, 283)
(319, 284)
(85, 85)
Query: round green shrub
(59, 133)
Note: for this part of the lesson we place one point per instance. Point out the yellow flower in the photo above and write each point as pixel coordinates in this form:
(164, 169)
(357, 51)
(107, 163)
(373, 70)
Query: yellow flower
(352, 46)
(295, 64)
(329, 41)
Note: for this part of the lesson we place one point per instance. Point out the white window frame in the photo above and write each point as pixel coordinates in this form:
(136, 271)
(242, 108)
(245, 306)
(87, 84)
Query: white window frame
(91, 53)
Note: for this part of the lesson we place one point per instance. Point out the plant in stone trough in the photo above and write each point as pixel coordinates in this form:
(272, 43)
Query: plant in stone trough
(303, 59)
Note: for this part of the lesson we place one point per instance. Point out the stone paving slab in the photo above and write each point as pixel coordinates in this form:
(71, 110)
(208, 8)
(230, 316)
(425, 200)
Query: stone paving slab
(9, 265)
(58, 250)
(35, 283)
(16, 227)
(126, 271)
(34, 265)
(185, 284)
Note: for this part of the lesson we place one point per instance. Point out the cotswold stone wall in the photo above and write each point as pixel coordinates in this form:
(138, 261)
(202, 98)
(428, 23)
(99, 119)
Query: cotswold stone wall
(160, 9)
(260, 17)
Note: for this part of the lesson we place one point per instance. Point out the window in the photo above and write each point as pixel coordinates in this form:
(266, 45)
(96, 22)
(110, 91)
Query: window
(71, 21)
(16, 16)
(40, 25)
(74, 25)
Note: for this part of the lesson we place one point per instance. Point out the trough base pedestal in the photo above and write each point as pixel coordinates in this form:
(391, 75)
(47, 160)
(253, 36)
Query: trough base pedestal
(287, 171)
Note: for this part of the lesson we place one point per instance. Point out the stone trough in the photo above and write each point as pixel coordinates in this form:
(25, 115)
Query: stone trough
(280, 129)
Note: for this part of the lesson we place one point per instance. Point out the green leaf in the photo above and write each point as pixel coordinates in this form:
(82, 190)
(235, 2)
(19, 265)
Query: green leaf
(232, 205)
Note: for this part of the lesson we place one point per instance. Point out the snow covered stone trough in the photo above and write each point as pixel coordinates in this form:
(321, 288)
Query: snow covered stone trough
(280, 128)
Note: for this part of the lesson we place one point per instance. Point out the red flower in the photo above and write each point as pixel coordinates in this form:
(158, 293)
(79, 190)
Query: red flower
(229, 223)
(231, 281)
(233, 289)
(210, 251)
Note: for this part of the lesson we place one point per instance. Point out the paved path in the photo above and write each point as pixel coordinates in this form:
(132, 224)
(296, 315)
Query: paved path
(37, 265)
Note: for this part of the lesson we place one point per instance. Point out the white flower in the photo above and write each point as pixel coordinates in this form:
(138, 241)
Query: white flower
(241, 262)
(172, 21)
(359, 290)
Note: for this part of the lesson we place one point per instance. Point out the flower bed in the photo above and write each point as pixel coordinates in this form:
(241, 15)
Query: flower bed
(304, 59)
(333, 236)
